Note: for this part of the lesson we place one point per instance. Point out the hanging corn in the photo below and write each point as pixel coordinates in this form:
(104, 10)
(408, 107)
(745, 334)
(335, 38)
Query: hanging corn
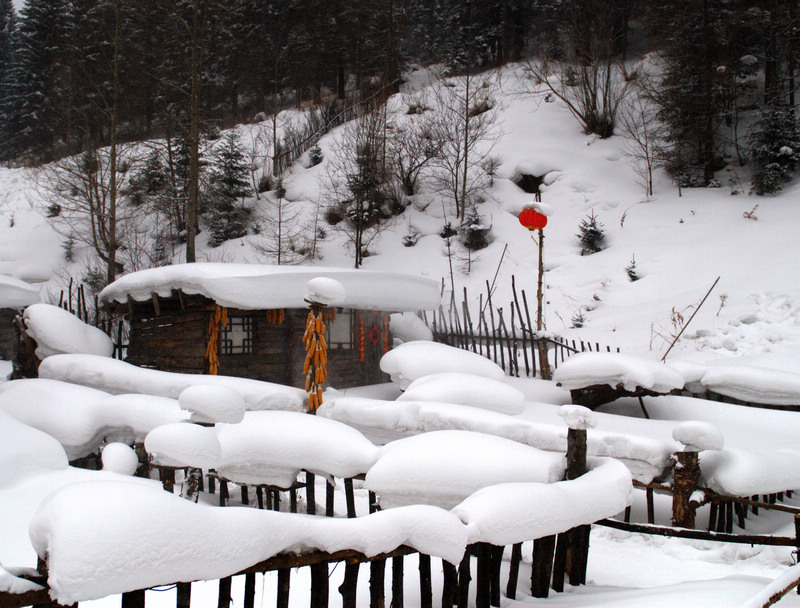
(361, 338)
(315, 366)
(276, 316)
(218, 319)
(385, 334)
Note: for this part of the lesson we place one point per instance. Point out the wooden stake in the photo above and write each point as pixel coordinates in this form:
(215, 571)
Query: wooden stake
(425, 588)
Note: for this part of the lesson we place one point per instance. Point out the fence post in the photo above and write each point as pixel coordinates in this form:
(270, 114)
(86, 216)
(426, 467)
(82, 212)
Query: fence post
(695, 436)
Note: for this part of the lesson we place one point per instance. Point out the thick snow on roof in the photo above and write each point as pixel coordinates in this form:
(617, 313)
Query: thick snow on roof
(81, 418)
(407, 362)
(257, 287)
(615, 369)
(273, 447)
(466, 389)
(15, 293)
(58, 331)
(105, 538)
(442, 468)
(509, 513)
(115, 376)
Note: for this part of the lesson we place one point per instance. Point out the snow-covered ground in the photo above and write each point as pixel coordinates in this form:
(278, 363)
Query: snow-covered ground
(745, 340)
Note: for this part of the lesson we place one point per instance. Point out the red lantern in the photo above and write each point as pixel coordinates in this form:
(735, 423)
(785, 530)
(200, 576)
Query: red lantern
(532, 219)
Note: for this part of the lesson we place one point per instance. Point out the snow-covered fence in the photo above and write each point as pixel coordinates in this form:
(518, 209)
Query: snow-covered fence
(507, 336)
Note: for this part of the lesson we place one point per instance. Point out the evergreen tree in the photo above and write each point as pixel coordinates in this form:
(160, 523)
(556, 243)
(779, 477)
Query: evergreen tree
(591, 235)
(226, 216)
(776, 148)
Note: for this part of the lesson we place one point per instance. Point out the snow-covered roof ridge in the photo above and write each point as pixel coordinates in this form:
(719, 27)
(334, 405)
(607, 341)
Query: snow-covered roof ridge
(261, 286)
(15, 293)
(615, 369)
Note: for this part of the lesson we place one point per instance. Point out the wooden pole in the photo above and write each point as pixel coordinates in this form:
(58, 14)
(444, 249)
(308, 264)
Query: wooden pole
(425, 588)
(542, 567)
(513, 571)
(685, 477)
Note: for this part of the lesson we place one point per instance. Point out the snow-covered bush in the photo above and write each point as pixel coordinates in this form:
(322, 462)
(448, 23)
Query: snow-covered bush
(474, 232)
(227, 217)
(591, 235)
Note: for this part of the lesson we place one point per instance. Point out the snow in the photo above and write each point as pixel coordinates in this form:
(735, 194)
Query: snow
(740, 472)
(466, 389)
(754, 384)
(119, 458)
(323, 290)
(57, 331)
(578, 417)
(407, 326)
(697, 436)
(11, 583)
(15, 293)
(273, 447)
(212, 403)
(442, 468)
(116, 376)
(82, 418)
(257, 286)
(509, 513)
(111, 537)
(415, 359)
(614, 369)
(26, 451)
(183, 444)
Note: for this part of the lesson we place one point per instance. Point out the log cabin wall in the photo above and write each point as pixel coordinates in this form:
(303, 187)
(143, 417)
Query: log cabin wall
(7, 333)
(174, 338)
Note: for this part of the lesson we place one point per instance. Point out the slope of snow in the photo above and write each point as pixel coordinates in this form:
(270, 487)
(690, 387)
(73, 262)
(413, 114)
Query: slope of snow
(15, 293)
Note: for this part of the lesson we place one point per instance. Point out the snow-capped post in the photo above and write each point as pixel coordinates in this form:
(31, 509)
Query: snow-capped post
(322, 292)
(578, 419)
(695, 437)
(534, 217)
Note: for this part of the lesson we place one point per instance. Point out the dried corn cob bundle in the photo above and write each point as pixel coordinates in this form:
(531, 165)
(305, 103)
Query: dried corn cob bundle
(316, 362)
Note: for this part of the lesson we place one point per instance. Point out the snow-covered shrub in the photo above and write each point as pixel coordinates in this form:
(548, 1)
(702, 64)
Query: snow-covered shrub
(227, 217)
(630, 270)
(474, 232)
(591, 235)
(314, 156)
(411, 238)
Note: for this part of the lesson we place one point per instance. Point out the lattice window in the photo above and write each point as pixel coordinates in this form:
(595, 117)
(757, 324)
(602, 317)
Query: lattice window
(341, 330)
(238, 337)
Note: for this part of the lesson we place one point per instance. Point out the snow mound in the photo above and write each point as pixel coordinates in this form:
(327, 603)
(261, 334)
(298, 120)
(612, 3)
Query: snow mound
(273, 447)
(183, 444)
(407, 326)
(82, 418)
(119, 458)
(697, 436)
(413, 360)
(466, 389)
(648, 455)
(115, 376)
(323, 290)
(578, 417)
(754, 384)
(25, 451)
(614, 369)
(15, 293)
(102, 538)
(744, 473)
(510, 513)
(11, 583)
(58, 331)
(212, 403)
(442, 468)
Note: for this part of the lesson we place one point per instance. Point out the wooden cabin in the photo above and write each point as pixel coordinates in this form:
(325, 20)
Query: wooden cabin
(249, 320)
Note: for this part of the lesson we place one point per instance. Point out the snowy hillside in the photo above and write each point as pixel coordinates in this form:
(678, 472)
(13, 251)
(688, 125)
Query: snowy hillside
(680, 244)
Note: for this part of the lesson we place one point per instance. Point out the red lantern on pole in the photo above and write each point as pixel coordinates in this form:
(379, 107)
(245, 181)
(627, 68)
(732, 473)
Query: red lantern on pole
(532, 219)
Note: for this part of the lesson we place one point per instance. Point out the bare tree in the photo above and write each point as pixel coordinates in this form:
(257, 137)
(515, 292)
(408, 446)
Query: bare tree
(356, 183)
(281, 235)
(462, 124)
(84, 197)
(642, 132)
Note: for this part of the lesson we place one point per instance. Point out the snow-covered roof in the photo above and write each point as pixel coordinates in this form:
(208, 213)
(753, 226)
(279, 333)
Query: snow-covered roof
(258, 287)
(614, 369)
(15, 293)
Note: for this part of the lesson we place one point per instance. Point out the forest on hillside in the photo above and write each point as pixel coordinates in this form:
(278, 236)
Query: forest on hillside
(693, 86)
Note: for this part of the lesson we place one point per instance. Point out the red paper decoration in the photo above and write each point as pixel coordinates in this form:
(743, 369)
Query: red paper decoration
(532, 219)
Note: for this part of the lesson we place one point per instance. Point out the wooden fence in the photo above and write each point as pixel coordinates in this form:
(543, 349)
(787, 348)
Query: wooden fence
(506, 335)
